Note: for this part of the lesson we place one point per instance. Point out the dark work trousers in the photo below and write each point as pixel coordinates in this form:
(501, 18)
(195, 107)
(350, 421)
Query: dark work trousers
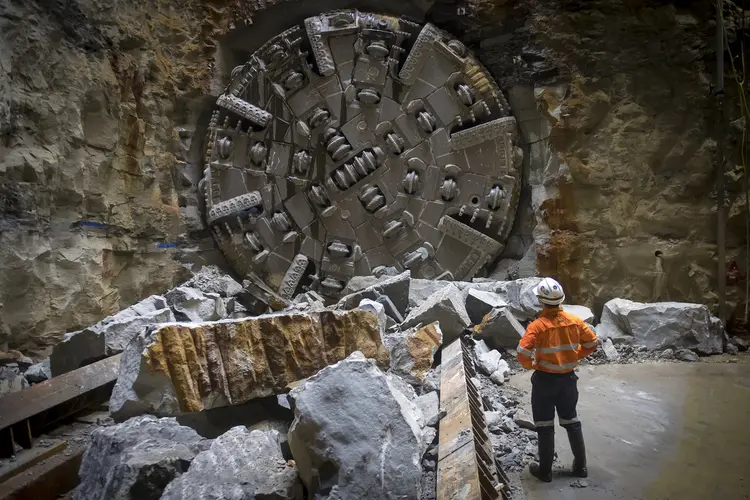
(554, 391)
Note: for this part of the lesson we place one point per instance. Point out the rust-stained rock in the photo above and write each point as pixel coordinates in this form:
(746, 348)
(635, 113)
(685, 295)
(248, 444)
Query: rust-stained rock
(182, 367)
(412, 352)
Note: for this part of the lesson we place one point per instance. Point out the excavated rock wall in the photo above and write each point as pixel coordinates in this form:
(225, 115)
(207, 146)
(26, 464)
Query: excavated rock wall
(99, 102)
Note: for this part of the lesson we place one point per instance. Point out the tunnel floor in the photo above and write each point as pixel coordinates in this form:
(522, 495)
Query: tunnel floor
(657, 431)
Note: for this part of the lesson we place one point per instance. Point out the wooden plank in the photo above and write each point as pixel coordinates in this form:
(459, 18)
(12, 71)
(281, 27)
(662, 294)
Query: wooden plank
(28, 458)
(49, 479)
(18, 406)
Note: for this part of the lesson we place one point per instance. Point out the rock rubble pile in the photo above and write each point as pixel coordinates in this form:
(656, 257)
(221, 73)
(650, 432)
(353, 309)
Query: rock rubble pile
(358, 378)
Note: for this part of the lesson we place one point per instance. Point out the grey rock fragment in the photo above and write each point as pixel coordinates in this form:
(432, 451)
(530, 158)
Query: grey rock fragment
(500, 329)
(479, 303)
(491, 362)
(377, 309)
(190, 304)
(663, 324)
(209, 279)
(356, 434)
(732, 349)
(390, 309)
(582, 312)
(240, 465)
(11, 379)
(15, 358)
(521, 419)
(429, 403)
(579, 483)
(432, 380)
(686, 355)
(741, 343)
(521, 298)
(136, 459)
(38, 372)
(610, 351)
(395, 288)
(108, 337)
(447, 307)
(667, 354)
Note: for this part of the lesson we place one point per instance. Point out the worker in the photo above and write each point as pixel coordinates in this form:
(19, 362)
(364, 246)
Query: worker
(552, 346)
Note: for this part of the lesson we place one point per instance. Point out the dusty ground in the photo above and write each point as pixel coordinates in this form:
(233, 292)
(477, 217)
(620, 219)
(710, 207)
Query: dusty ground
(658, 431)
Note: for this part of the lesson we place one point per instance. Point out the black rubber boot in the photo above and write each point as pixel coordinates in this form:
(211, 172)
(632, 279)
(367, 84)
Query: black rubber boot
(546, 441)
(575, 436)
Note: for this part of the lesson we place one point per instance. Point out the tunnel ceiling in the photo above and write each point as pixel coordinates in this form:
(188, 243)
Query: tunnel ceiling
(357, 142)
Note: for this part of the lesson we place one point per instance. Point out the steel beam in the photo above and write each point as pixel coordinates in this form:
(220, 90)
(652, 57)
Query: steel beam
(466, 465)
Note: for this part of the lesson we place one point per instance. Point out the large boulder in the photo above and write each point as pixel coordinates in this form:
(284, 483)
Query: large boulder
(412, 352)
(446, 306)
(136, 459)
(395, 288)
(500, 329)
(191, 304)
(663, 324)
(184, 367)
(355, 436)
(11, 379)
(108, 337)
(240, 465)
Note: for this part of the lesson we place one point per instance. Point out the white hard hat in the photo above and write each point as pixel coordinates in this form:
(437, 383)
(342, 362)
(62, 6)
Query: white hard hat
(550, 292)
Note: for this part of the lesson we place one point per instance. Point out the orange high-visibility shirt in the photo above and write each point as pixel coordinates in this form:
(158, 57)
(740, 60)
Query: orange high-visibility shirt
(555, 342)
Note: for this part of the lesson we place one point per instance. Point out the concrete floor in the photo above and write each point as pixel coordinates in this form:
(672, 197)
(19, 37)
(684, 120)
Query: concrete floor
(658, 431)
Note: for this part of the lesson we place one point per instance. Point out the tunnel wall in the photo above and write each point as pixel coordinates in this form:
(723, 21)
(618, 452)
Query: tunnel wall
(100, 101)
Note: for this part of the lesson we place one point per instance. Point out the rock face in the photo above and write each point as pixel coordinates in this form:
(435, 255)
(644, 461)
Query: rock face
(240, 465)
(446, 307)
(500, 329)
(195, 367)
(99, 189)
(664, 324)
(355, 436)
(136, 459)
(108, 337)
(412, 352)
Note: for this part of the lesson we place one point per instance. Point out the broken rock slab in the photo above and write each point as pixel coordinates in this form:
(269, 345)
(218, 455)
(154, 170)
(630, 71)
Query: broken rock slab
(184, 367)
(136, 459)
(663, 324)
(446, 307)
(355, 436)
(479, 303)
(240, 465)
(395, 288)
(491, 364)
(108, 337)
(500, 329)
(191, 304)
(412, 352)
(38, 372)
(429, 404)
